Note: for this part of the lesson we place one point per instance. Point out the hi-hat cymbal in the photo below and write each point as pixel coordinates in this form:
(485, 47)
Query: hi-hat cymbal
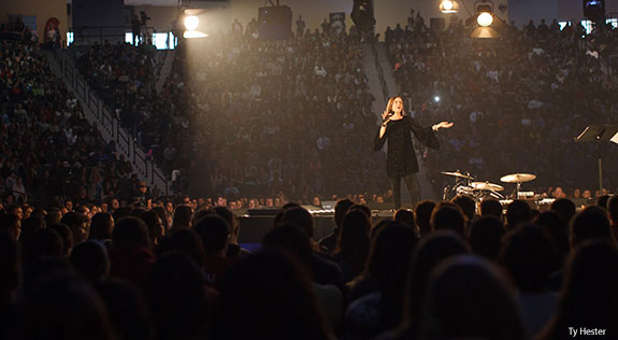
(457, 174)
(486, 186)
(518, 178)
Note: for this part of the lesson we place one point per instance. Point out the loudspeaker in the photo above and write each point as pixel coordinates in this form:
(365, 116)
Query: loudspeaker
(594, 9)
(275, 22)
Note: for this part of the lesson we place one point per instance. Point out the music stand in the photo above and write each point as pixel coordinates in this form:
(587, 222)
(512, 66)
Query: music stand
(599, 134)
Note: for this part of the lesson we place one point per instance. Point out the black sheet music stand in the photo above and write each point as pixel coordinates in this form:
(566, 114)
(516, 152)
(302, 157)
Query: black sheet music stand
(599, 134)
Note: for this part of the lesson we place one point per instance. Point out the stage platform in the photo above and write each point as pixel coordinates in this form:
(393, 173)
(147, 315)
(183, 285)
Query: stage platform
(253, 228)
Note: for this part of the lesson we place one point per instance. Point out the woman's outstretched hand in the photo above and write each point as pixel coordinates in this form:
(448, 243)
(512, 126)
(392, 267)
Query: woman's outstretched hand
(442, 125)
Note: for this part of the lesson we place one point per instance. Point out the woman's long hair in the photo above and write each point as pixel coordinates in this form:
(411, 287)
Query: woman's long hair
(268, 296)
(428, 254)
(388, 264)
(353, 244)
(391, 101)
(468, 297)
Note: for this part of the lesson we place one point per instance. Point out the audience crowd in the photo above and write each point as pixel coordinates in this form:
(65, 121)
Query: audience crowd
(89, 253)
(249, 116)
(517, 101)
(48, 150)
(443, 270)
(237, 95)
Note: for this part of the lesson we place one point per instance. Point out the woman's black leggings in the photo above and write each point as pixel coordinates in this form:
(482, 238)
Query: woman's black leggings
(413, 189)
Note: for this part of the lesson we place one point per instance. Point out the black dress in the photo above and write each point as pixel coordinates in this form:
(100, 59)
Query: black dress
(401, 158)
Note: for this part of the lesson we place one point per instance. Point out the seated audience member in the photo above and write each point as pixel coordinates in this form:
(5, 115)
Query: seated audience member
(181, 306)
(53, 216)
(588, 296)
(405, 217)
(301, 217)
(182, 218)
(165, 219)
(429, 253)
(269, 284)
(529, 257)
(467, 206)
(491, 207)
(214, 233)
(565, 208)
(128, 313)
(11, 224)
(325, 271)
(156, 227)
(45, 243)
(353, 247)
(485, 237)
(375, 230)
(423, 216)
(295, 242)
(557, 230)
(29, 227)
(234, 250)
(448, 216)
(47, 315)
(591, 223)
(380, 288)
(469, 298)
(101, 227)
(66, 235)
(284, 208)
(602, 201)
(362, 208)
(518, 212)
(90, 261)
(79, 225)
(130, 255)
(188, 242)
(329, 243)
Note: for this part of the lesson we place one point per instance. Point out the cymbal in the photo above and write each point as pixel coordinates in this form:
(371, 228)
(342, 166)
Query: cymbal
(518, 178)
(486, 186)
(457, 174)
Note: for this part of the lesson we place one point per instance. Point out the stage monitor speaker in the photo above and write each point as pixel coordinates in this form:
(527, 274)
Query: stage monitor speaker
(263, 212)
(275, 22)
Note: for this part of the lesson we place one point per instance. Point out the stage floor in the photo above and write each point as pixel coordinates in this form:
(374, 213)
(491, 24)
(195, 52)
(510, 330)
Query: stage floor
(253, 228)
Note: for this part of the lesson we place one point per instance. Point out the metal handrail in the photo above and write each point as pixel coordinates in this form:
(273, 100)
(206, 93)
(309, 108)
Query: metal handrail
(109, 126)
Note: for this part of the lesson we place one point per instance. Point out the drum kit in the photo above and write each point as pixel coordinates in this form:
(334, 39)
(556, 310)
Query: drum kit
(465, 184)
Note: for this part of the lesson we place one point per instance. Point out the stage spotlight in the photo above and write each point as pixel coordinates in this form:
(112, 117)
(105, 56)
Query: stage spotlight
(485, 19)
(449, 6)
(191, 22)
(436, 99)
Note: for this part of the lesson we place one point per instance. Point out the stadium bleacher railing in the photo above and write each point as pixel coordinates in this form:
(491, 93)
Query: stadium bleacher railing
(109, 126)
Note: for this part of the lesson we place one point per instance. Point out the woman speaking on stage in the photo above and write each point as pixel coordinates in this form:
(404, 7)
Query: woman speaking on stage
(401, 158)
